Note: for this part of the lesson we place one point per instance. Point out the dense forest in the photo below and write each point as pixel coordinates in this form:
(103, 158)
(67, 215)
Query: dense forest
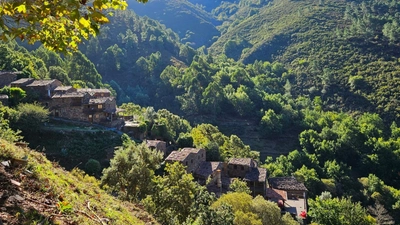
(305, 88)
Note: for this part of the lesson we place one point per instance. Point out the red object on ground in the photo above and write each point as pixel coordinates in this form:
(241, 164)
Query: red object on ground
(303, 214)
(280, 204)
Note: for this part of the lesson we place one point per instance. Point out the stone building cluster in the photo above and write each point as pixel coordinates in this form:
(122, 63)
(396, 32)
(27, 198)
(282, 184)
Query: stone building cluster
(82, 104)
(221, 173)
(218, 176)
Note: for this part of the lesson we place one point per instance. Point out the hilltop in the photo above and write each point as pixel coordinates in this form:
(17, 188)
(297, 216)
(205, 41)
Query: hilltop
(40, 191)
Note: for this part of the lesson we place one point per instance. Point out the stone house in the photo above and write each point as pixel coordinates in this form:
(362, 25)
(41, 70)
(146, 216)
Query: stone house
(43, 88)
(158, 145)
(248, 170)
(239, 167)
(221, 173)
(21, 83)
(133, 129)
(68, 105)
(64, 89)
(100, 110)
(6, 78)
(292, 192)
(189, 157)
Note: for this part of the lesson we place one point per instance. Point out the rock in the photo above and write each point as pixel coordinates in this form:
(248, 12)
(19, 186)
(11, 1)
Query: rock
(15, 182)
(6, 163)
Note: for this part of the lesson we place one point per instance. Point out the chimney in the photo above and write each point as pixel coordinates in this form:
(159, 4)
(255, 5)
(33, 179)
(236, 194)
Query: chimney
(218, 177)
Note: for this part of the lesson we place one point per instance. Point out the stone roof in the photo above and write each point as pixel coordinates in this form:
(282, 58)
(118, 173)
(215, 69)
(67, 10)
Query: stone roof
(178, 156)
(39, 83)
(3, 96)
(90, 90)
(256, 174)
(99, 100)
(153, 143)
(68, 95)
(63, 88)
(182, 154)
(286, 183)
(275, 194)
(242, 161)
(10, 72)
(23, 81)
(206, 168)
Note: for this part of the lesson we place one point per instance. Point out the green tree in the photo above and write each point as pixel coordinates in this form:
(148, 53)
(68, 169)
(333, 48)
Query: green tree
(131, 171)
(29, 118)
(58, 25)
(267, 211)
(335, 211)
(92, 167)
(173, 195)
(239, 186)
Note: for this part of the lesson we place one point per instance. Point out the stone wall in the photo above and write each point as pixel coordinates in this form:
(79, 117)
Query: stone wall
(6, 78)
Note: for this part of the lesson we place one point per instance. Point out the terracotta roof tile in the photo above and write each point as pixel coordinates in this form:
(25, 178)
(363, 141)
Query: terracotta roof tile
(275, 194)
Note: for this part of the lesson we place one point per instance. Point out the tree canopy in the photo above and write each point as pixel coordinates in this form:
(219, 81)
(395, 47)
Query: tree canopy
(59, 25)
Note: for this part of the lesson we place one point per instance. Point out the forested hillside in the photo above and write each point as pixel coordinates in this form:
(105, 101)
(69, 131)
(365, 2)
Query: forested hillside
(305, 88)
(195, 26)
(345, 51)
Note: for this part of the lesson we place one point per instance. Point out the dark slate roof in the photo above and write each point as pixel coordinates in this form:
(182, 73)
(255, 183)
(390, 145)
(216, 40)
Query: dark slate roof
(286, 183)
(63, 88)
(99, 100)
(256, 174)
(39, 83)
(22, 81)
(90, 90)
(206, 168)
(153, 143)
(242, 161)
(177, 156)
(10, 72)
(182, 154)
(69, 95)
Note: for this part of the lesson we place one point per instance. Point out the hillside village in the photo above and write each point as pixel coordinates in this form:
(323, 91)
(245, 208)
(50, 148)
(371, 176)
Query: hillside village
(97, 106)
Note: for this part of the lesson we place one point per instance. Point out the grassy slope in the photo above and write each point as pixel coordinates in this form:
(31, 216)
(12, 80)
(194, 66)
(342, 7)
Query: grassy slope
(50, 185)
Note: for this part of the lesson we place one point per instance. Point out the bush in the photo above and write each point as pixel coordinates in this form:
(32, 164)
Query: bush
(92, 167)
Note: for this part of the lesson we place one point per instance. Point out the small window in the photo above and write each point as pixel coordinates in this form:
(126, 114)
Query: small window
(90, 116)
(97, 116)
(191, 161)
(100, 106)
(186, 163)
(88, 106)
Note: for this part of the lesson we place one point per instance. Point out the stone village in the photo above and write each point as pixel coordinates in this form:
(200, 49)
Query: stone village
(99, 107)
